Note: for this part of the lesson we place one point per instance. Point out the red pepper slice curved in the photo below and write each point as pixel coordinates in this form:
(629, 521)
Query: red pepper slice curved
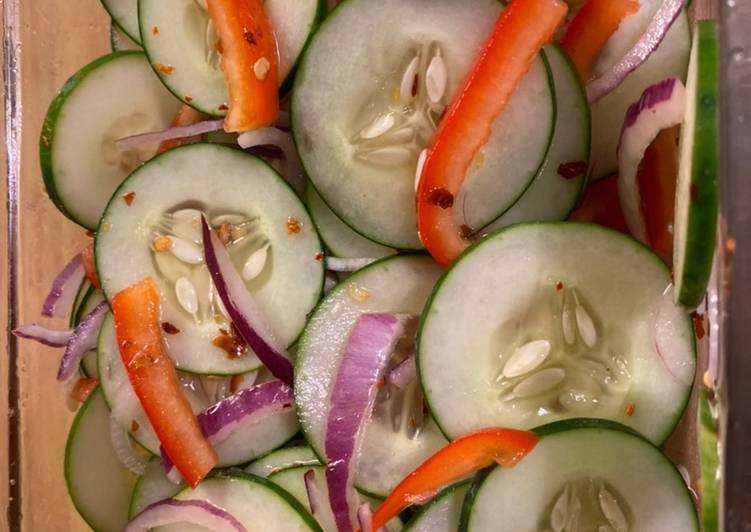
(137, 312)
(250, 62)
(523, 28)
(459, 458)
(591, 28)
(600, 205)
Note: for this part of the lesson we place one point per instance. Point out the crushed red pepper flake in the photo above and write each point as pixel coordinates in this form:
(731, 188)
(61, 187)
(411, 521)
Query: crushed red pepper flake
(559, 286)
(188, 98)
(134, 426)
(699, 328)
(225, 233)
(90, 233)
(167, 70)
(441, 197)
(129, 198)
(318, 256)
(249, 37)
(293, 226)
(223, 107)
(168, 328)
(155, 30)
(630, 409)
(730, 245)
(162, 243)
(572, 170)
(466, 231)
(231, 343)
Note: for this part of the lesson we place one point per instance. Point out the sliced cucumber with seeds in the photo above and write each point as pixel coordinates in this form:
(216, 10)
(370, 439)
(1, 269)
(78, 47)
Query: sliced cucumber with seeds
(181, 45)
(270, 236)
(442, 513)
(254, 501)
(697, 189)
(369, 94)
(391, 448)
(119, 40)
(579, 321)
(125, 15)
(339, 238)
(153, 486)
(585, 478)
(282, 459)
(115, 96)
(98, 484)
(556, 188)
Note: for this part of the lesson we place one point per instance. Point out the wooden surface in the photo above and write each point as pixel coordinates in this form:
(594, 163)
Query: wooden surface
(58, 37)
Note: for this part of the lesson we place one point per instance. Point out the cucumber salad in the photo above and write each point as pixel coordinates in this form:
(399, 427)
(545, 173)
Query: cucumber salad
(418, 265)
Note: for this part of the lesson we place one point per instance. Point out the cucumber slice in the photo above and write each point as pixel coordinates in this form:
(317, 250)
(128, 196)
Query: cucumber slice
(670, 59)
(709, 460)
(597, 478)
(356, 78)
(264, 210)
(442, 513)
(97, 484)
(394, 284)
(176, 39)
(153, 486)
(554, 192)
(256, 502)
(119, 40)
(283, 459)
(338, 237)
(83, 290)
(697, 189)
(125, 15)
(89, 301)
(579, 321)
(115, 96)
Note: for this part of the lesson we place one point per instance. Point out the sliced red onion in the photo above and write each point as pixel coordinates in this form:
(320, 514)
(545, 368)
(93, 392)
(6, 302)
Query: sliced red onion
(661, 106)
(365, 358)
(82, 340)
(123, 448)
(654, 34)
(314, 496)
(404, 373)
(243, 309)
(176, 132)
(193, 512)
(271, 136)
(365, 518)
(336, 264)
(43, 335)
(59, 301)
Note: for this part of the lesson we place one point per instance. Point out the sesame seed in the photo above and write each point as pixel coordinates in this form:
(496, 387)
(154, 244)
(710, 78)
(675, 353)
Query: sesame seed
(261, 68)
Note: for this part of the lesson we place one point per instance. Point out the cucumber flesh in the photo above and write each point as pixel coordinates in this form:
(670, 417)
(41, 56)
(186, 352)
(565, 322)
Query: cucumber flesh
(697, 188)
(153, 486)
(709, 450)
(368, 180)
(442, 513)
(670, 59)
(597, 478)
(395, 284)
(115, 96)
(552, 196)
(175, 33)
(579, 322)
(98, 484)
(257, 503)
(339, 238)
(83, 290)
(264, 214)
(119, 40)
(282, 459)
(125, 15)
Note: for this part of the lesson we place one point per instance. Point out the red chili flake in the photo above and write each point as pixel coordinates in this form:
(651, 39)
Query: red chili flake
(188, 99)
(90, 233)
(164, 69)
(699, 328)
(134, 426)
(129, 198)
(319, 256)
(415, 85)
(572, 170)
(630, 409)
(235, 382)
(223, 107)
(169, 328)
(559, 286)
(466, 231)
(249, 37)
(293, 226)
(82, 389)
(230, 343)
(225, 233)
(155, 30)
(730, 245)
(441, 197)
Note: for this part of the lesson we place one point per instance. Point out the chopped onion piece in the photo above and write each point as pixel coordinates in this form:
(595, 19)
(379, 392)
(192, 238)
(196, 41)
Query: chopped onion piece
(63, 292)
(365, 358)
(243, 309)
(661, 106)
(123, 448)
(193, 512)
(83, 339)
(404, 373)
(654, 34)
(43, 335)
(176, 132)
(271, 136)
(336, 264)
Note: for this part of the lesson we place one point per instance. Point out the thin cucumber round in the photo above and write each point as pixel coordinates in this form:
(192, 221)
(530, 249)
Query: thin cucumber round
(578, 321)
(125, 15)
(83, 290)
(339, 238)
(254, 501)
(260, 214)
(554, 192)
(594, 478)
(670, 59)
(120, 41)
(442, 513)
(181, 46)
(362, 113)
(709, 462)
(98, 484)
(389, 450)
(282, 459)
(113, 97)
(697, 190)
(153, 486)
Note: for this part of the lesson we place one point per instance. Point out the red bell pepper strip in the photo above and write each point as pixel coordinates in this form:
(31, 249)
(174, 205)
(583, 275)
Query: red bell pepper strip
(250, 62)
(600, 205)
(657, 178)
(456, 460)
(89, 265)
(82, 389)
(186, 116)
(591, 28)
(523, 28)
(151, 372)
